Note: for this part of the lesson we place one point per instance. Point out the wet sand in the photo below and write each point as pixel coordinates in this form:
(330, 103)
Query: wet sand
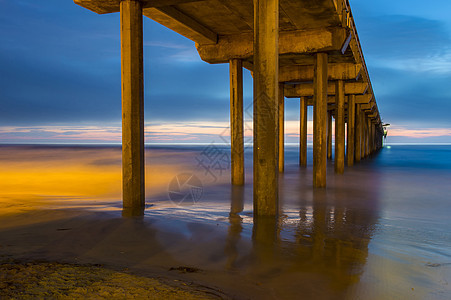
(375, 233)
(37, 280)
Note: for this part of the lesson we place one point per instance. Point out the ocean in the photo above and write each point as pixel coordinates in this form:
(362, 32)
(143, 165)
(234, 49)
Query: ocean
(382, 230)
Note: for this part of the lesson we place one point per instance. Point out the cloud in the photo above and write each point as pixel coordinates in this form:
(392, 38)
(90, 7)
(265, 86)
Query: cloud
(59, 134)
(437, 63)
(404, 131)
(414, 98)
(174, 52)
(154, 133)
(403, 36)
(408, 43)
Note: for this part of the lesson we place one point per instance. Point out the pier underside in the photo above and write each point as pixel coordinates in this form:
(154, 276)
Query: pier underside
(294, 48)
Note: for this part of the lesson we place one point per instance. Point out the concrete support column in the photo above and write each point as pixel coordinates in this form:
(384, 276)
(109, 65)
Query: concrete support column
(366, 135)
(329, 134)
(363, 132)
(236, 121)
(303, 133)
(133, 190)
(320, 120)
(365, 126)
(281, 129)
(266, 94)
(362, 120)
(351, 131)
(375, 137)
(340, 127)
(376, 140)
(358, 134)
(370, 136)
(371, 141)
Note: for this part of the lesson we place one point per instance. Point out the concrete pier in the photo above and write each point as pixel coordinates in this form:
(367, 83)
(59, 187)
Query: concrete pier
(365, 126)
(363, 132)
(373, 137)
(358, 134)
(266, 99)
(236, 121)
(340, 128)
(303, 132)
(350, 153)
(370, 136)
(320, 121)
(281, 129)
(314, 45)
(329, 134)
(132, 107)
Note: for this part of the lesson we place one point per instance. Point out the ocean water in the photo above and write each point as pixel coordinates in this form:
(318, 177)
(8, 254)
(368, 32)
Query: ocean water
(382, 230)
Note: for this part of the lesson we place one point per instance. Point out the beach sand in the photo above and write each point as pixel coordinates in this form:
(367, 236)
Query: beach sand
(73, 254)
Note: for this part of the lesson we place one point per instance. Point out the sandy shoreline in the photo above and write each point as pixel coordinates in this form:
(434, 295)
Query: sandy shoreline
(112, 246)
(31, 280)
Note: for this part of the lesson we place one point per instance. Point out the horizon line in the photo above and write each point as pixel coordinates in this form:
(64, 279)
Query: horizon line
(199, 143)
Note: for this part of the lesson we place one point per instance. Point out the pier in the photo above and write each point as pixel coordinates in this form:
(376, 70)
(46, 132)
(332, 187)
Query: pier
(302, 49)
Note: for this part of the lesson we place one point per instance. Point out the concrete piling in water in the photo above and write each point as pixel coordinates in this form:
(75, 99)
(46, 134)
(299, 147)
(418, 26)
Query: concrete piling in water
(281, 129)
(370, 125)
(363, 141)
(339, 128)
(303, 132)
(368, 132)
(266, 95)
(350, 156)
(329, 134)
(236, 121)
(358, 134)
(320, 120)
(133, 191)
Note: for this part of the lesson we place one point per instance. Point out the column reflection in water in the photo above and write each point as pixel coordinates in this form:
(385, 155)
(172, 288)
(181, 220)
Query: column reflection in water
(236, 225)
(322, 253)
(265, 239)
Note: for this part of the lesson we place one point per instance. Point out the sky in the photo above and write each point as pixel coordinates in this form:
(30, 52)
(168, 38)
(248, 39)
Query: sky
(60, 76)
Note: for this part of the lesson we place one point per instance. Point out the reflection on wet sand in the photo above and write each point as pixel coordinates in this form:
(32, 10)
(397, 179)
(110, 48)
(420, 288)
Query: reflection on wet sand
(236, 226)
(323, 258)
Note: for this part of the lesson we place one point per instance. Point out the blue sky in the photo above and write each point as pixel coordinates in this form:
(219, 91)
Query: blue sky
(60, 75)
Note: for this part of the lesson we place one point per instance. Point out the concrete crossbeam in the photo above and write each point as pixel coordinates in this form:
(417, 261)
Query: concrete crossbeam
(306, 89)
(340, 71)
(290, 42)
